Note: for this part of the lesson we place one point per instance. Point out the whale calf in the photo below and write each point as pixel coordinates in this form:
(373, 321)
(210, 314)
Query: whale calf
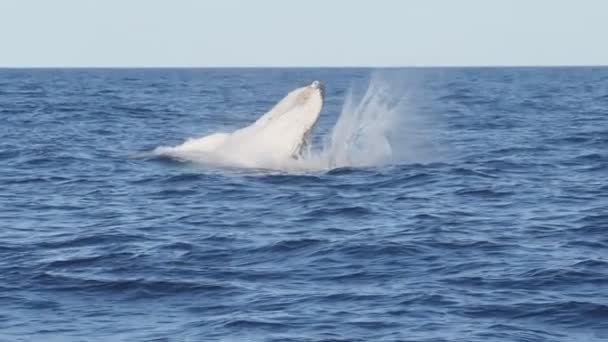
(279, 135)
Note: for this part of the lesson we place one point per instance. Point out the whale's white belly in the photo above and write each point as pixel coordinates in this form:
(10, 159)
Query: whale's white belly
(278, 135)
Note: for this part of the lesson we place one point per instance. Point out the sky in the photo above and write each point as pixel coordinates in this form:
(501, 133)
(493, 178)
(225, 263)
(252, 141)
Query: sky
(208, 33)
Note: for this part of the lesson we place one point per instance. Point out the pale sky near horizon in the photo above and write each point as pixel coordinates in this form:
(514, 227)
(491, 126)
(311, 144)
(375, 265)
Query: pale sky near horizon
(152, 33)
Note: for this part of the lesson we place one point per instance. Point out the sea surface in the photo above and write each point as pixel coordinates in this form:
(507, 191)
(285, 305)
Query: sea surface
(489, 221)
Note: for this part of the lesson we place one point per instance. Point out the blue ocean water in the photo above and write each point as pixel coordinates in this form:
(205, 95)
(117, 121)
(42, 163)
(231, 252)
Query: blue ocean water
(493, 226)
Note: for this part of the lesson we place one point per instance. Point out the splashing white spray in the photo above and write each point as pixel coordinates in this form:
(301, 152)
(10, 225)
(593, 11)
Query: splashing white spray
(368, 132)
(362, 135)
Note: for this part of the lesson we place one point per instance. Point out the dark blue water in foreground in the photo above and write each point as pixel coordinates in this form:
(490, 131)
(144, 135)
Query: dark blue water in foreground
(502, 237)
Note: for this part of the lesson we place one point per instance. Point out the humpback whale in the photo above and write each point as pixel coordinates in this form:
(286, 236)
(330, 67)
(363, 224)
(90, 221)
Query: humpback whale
(277, 136)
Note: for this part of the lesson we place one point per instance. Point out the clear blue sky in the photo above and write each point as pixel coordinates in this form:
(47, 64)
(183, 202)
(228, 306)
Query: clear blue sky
(302, 33)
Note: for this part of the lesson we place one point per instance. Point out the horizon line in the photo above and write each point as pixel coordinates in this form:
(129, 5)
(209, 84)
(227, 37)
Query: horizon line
(438, 66)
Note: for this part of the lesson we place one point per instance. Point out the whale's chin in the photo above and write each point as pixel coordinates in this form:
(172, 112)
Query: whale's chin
(278, 135)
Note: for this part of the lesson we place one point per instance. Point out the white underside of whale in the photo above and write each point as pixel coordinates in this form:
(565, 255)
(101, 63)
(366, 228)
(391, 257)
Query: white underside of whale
(277, 136)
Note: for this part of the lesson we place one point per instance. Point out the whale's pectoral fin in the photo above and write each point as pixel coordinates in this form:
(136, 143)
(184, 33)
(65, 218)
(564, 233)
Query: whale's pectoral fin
(299, 149)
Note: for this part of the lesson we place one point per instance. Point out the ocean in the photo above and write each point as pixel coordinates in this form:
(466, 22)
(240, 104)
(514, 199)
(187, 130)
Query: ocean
(482, 216)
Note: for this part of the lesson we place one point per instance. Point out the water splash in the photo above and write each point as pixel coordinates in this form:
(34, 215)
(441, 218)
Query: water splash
(364, 132)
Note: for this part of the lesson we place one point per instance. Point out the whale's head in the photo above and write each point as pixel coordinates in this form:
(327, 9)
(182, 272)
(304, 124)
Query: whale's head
(318, 85)
(307, 104)
(302, 116)
(284, 130)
